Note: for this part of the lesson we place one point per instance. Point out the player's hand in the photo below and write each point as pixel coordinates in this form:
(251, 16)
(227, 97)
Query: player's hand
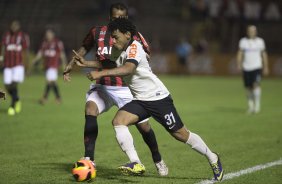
(79, 60)
(66, 74)
(2, 94)
(93, 75)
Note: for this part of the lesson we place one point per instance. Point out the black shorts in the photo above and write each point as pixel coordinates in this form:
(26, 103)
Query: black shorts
(252, 77)
(162, 111)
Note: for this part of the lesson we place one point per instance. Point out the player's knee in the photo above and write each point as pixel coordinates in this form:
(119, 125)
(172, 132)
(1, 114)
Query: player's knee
(181, 135)
(91, 109)
(144, 127)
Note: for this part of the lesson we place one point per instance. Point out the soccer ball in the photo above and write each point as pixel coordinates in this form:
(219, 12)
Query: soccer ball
(83, 170)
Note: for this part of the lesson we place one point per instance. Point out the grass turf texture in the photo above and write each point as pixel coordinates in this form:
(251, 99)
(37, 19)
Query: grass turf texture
(40, 144)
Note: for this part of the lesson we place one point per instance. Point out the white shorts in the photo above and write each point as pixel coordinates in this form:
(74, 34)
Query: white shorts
(52, 74)
(14, 74)
(107, 96)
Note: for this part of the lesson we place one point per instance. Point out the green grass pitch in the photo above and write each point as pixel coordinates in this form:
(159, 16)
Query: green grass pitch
(40, 144)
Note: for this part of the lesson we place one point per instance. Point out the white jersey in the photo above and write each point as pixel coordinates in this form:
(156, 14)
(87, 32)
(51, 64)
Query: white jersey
(252, 53)
(143, 83)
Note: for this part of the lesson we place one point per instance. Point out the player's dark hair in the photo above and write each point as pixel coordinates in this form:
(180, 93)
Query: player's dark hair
(118, 6)
(123, 25)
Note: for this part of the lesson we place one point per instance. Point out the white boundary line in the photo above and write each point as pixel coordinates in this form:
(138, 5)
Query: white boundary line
(230, 176)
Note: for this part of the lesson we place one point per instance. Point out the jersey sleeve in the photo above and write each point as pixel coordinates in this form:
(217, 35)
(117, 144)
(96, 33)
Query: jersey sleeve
(241, 44)
(134, 53)
(88, 41)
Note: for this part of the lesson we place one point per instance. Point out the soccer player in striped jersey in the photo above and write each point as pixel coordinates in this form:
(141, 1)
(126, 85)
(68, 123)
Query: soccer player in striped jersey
(252, 61)
(15, 45)
(151, 98)
(110, 91)
(52, 51)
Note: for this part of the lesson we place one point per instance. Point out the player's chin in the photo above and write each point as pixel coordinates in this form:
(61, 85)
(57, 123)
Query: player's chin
(118, 47)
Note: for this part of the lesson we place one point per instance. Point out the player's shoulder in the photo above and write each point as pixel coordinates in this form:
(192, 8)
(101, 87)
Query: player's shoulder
(135, 45)
(244, 39)
(260, 39)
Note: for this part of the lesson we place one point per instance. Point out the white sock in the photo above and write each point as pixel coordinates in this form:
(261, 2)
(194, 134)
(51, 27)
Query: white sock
(250, 97)
(196, 142)
(125, 141)
(257, 94)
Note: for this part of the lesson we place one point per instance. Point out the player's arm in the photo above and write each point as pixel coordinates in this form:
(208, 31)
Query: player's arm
(81, 51)
(37, 57)
(63, 58)
(80, 61)
(26, 45)
(126, 69)
(2, 51)
(265, 62)
(239, 59)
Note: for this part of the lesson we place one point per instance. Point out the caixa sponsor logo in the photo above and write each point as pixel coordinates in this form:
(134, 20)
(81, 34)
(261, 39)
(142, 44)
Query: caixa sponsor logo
(102, 32)
(104, 50)
(14, 47)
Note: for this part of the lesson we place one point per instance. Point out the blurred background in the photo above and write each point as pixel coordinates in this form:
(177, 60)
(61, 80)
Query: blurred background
(209, 30)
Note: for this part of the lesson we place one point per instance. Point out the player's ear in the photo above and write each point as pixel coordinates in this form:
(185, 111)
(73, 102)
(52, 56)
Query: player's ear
(128, 35)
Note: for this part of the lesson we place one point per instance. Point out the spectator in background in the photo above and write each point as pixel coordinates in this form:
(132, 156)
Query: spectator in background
(252, 10)
(183, 51)
(272, 12)
(15, 45)
(52, 51)
(251, 59)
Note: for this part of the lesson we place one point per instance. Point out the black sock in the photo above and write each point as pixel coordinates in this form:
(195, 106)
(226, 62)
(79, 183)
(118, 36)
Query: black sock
(13, 91)
(47, 89)
(56, 90)
(90, 135)
(150, 140)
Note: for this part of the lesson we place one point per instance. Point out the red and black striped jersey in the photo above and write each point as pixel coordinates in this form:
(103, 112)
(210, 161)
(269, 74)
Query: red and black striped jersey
(100, 39)
(51, 51)
(14, 44)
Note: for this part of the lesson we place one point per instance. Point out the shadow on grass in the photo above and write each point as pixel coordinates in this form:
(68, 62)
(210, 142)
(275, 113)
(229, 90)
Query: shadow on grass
(113, 175)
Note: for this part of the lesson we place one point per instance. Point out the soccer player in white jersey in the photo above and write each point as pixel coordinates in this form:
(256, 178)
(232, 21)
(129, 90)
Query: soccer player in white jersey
(151, 98)
(252, 59)
(110, 91)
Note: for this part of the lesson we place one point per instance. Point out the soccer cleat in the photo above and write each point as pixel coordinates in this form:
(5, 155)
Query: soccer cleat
(217, 169)
(11, 111)
(88, 158)
(132, 168)
(18, 106)
(162, 168)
